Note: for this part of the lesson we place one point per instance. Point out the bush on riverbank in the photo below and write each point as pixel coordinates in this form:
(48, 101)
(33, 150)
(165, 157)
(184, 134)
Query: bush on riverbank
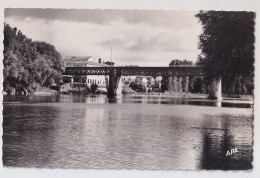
(127, 90)
(137, 87)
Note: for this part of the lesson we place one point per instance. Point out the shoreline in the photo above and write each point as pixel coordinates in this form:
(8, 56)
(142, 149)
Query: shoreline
(154, 94)
(193, 95)
(171, 94)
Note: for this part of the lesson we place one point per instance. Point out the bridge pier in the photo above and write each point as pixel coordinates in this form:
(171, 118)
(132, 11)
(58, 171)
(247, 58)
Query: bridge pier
(175, 84)
(110, 89)
(112, 85)
(215, 89)
(185, 84)
(178, 84)
(170, 83)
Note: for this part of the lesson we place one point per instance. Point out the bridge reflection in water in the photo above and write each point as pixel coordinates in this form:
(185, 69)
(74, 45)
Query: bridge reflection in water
(114, 73)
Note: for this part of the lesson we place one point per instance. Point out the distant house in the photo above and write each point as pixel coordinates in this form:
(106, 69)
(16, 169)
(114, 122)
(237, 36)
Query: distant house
(80, 83)
(145, 80)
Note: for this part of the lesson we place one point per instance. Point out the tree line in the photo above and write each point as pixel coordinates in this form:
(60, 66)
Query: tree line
(29, 64)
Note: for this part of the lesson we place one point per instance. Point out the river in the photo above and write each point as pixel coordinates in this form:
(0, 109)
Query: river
(129, 132)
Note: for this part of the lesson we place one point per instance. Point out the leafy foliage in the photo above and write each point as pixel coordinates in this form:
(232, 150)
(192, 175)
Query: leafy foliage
(137, 87)
(227, 44)
(29, 63)
(177, 62)
(93, 87)
(198, 86)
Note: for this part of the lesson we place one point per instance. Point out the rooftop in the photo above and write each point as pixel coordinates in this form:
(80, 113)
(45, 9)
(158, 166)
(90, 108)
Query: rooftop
(77, 58)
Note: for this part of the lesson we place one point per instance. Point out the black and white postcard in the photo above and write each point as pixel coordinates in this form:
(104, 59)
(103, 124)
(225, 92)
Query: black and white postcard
(134, 89)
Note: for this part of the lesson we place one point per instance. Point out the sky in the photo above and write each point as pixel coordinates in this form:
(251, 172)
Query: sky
(136, 37)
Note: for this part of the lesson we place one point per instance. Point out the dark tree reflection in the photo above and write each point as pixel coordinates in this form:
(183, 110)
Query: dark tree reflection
(215, 148)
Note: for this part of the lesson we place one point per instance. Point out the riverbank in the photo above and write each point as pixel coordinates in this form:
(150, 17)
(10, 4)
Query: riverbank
(238, 96)
(172, 94)
(42, 91)
(190, 95)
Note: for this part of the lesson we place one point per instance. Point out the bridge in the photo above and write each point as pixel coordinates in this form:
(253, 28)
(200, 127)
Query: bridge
(115, 73)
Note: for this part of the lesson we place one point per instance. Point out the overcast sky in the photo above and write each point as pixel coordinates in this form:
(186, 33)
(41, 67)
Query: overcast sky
(137, 37)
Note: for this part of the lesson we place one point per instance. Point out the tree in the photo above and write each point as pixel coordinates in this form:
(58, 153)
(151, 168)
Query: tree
(137, 87)
(93, 87)
(178, 62)
(227, 46)
(28, 63)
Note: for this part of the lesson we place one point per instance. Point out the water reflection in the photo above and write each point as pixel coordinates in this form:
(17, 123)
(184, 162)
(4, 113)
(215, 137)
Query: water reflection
(77, 131)
(35, 127)
(128, 99)
(216, 145)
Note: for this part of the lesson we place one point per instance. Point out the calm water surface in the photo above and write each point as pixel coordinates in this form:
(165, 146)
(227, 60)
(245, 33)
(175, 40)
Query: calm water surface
(133, 132)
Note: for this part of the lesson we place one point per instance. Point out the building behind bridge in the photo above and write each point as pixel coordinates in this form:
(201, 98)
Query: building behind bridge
(81, 83)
